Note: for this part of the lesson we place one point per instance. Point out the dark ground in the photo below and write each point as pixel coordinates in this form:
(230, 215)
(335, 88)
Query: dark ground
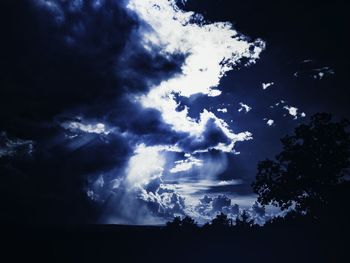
(155, 244)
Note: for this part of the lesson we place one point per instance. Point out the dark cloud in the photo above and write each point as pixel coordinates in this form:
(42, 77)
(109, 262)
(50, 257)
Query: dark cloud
(211, 206)
(10, 147)
(258, 210)
(220, 202)
(55, 75)
(206, 200)
(66, 61)
(211, 137)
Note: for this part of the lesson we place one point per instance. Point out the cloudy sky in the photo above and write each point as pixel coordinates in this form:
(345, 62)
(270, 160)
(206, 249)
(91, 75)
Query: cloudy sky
(133, 111)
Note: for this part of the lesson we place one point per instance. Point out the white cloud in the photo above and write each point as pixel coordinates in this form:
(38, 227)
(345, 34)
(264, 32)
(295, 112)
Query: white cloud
(229, 182)
(244, 107)
(186, 165)
(293, 111)
(146, 164)
(316, 73)
(214, 93)
(211, 50)
(223, 110)
(307, 61)
(97, 128)
(320, 73)
(267, 85)
(270, 122)
(188, 188)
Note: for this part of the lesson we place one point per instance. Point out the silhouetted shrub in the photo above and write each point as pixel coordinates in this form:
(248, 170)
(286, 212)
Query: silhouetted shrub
(186, 223)
(243, 220)
(306, 174)
(221, 221)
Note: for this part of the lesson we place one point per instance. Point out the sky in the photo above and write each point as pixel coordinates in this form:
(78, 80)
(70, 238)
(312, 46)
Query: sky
(136, 111)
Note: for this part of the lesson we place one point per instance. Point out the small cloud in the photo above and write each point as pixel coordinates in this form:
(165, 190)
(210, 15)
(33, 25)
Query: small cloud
(314, 73)
(214, 93)
(229, 182)
(224, 110)
(220, 202)
(307, 61)
(244, 108)
(258, 210)
(186, 165)
(322, 72)
(92, 195)
(10, 147)
(270, 122)
(96, 128)
(267, 85)
(206, 200)
(293, 111)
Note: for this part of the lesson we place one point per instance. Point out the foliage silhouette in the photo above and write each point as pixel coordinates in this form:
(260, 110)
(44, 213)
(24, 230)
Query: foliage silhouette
(176, 223)
(186, 223)
(313, 164)
(221, 221)
(243, 220)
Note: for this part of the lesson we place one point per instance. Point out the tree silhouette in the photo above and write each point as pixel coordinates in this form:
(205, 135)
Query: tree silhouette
(176, 223)
(313, 162)
(185, 223)
(221, 221)
(243, 220)
(188, 223)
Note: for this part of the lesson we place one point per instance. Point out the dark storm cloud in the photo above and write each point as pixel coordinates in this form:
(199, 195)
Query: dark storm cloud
(220, 202)
(55, 75)
(258, 210)
(140, 124)
(57, 62)
(14, 146)
(211, 137)
(211, 206)
(67, 62)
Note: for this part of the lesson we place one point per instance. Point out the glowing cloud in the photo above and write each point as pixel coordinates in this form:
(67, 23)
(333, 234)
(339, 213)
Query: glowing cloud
(186, 165)
(244, 108)
(267, 85)
(224, 110)
(146, 164)
(293, 111)
(270, 122)
(211, 50)
(97, 128)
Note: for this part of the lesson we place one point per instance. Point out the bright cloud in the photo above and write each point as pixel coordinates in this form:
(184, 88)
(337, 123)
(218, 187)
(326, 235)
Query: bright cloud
(244, 108)
(270, 122)
(186, 165)
(293, 111)
(211, 50)
(146, 164)
(224, 110)
(97, 128)
(267, 85)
